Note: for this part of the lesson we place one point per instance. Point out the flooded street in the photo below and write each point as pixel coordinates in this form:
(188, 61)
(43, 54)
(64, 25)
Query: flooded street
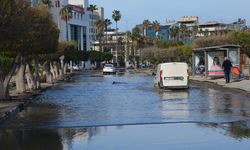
(125, 111)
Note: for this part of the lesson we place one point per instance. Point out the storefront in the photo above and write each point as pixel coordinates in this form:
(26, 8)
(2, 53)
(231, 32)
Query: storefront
(208, 61)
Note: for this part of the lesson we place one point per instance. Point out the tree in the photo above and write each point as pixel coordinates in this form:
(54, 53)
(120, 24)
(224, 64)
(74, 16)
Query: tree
(206, 33)
(107, 23)
(156, 27)
(171, 33)
(195, 31)
(136, 39)
(107, 57)
(12, 28)
(127, 49)
(100, 26)
(146, 40)
(183, 32)
(242, 38)
(121, 53)
(145, 26)
(66, 14)
(116, 15)
(47, 3)
(135, 36)
(42, 38)
(24, 31)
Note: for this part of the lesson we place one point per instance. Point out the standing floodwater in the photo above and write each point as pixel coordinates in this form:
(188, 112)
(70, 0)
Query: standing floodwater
(96, 102)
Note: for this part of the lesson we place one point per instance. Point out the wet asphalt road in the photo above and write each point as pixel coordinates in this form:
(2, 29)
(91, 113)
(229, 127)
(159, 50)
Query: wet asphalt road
(94, 110)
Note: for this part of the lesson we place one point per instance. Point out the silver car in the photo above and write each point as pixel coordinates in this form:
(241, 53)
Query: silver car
(109, 68)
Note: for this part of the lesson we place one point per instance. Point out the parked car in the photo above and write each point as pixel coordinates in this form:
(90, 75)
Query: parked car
(109, 68)
(76, 68)
(172, 76)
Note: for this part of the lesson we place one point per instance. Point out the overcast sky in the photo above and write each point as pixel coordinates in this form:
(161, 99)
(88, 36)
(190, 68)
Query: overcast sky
(135, 11)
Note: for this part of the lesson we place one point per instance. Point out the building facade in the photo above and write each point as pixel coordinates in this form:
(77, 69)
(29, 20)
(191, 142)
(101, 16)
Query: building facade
(80, 26)
(117, 44)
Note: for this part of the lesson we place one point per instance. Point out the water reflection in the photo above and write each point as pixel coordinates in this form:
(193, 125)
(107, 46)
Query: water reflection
(174, 103)
(159, 136)
(238, 130)
(30, 140)
(47, 139)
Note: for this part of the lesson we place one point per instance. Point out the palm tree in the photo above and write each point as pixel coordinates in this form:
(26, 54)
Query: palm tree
(145, 26)
(136, 37)
(47, 3)
(183, 30)
(201, 32)
(107, 23)
(206, 33)
(171, 33)
(177, 33)
(146, 41)
(195, 30)
(66, 14)
(92, 8)
(120, 47)
(156, 28)
(100, 25)
(127, 49)
(116, 15)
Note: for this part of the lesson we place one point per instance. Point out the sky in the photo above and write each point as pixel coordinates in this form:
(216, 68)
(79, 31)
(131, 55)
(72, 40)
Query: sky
(135, 11)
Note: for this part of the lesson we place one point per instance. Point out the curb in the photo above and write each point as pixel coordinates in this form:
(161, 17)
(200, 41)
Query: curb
(220, 87)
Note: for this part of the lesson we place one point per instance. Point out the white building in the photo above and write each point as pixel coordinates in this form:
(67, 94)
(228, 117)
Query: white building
(81, 26)
(208, 28)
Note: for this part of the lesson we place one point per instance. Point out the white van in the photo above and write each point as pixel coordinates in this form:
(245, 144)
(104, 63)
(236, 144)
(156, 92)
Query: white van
(172, 75)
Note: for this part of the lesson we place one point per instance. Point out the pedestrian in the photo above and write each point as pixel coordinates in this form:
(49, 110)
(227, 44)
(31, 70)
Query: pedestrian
(227, 68)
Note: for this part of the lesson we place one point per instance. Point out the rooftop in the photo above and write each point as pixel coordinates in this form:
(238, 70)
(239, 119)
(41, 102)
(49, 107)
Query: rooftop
(211, 23)
(216, 47)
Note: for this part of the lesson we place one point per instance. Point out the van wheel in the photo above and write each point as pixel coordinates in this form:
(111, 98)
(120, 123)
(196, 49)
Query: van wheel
(159, 85)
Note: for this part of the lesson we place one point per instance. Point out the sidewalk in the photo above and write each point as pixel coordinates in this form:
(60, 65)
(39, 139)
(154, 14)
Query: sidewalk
(243, 85)
(18, 101)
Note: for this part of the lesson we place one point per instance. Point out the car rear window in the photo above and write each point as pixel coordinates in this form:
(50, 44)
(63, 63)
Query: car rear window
(108, 65)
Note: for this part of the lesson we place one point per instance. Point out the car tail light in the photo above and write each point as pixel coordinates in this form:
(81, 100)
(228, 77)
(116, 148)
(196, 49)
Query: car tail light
(161, 75)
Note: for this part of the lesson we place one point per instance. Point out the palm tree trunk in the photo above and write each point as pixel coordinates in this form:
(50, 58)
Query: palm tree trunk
(92, 24)
(67, 36)
(116, 46)
(106, 37)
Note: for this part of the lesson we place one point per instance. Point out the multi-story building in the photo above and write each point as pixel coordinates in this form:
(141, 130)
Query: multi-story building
(214, 27)
(80, 26)
(163, 32)
(115, 43)
(209, 28)
(240, 24)
(188, 21)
